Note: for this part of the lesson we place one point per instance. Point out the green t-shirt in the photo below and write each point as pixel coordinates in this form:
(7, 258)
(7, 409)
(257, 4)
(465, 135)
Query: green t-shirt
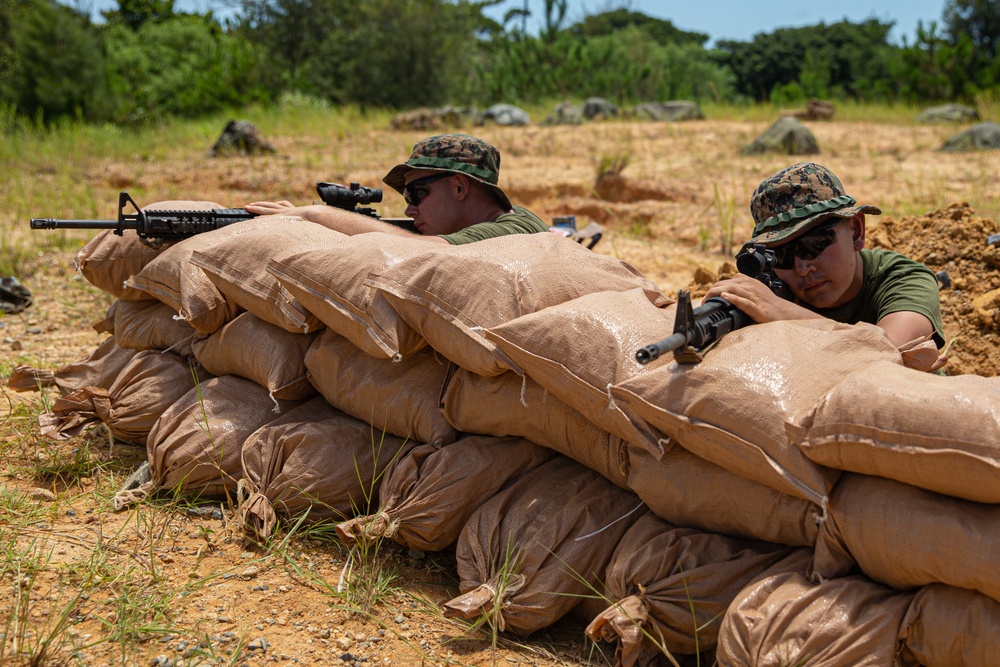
(892, 283)
(519, 221)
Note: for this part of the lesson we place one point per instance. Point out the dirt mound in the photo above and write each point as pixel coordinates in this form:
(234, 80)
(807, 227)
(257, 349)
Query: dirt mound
(953, 240)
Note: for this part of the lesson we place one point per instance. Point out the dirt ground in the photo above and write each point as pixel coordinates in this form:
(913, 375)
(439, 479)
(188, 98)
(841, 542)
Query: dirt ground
(171, 584)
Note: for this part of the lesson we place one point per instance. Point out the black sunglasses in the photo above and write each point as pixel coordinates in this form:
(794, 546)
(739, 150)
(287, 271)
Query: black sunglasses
(416, 190)
(807, 246)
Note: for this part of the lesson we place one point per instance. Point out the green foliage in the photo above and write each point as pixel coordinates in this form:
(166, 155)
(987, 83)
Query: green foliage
(659, 30)
(979, 20)
(181, 66)
(934, 69)
(55, 66)
(133, 14)
(821, 58)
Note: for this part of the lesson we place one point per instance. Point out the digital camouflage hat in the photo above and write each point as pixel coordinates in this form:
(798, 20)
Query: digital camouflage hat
(796, 199)
(458, 153)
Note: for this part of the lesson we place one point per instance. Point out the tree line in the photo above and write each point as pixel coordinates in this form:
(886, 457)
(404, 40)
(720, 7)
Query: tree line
(146, 60)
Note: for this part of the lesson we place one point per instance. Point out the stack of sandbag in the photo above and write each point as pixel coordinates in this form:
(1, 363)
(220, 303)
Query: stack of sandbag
(142, 391)
(452, 295)
(667, 588)
(313, 463)
(528, 555)
(241, 249)
(430, 492)
(196, 445)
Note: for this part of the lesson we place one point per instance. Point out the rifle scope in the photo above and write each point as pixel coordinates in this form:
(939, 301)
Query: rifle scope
(334, 194)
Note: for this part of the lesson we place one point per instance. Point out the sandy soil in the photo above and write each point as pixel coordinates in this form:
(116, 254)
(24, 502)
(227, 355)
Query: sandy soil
(676, 212)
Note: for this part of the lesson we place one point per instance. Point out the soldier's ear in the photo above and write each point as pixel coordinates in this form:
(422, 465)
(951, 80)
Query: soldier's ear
(858, 231)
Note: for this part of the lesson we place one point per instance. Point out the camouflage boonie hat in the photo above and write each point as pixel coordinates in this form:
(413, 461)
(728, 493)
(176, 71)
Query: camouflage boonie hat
(458, 153)
(796, 199)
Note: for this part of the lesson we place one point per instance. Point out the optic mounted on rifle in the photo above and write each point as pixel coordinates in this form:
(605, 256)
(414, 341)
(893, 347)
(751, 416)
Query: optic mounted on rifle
(696, 330)
(355, 197)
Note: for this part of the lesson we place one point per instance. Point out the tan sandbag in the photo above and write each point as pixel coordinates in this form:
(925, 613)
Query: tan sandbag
(785, 620)
(314, 461)
(330, 283)
(732, 407)
(97, 369)
(511, 404)
(528, 554)
(108, 260)
(174, 280)
(256, 350)
(396, 397)
(578, 349)
(668, 587)
(905, 537)
(687, 490)
(238, 269)
(195, 445)
(946, 626)
(450, 295)
(149, 384)
(934, 432)
(151, 325)
(429, 494)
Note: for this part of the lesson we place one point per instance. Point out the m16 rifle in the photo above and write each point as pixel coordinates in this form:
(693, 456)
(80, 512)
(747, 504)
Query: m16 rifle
(155, 227)
(696, 330)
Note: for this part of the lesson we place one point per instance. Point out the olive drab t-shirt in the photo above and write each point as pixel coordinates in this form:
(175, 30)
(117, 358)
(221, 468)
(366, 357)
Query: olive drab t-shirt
(892, 283)
(519, 221)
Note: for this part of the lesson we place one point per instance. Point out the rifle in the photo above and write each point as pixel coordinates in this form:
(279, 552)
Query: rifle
(155, 227)
(696, 330)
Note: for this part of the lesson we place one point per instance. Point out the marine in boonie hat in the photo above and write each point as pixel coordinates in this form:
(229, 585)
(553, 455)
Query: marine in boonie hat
(796, 199)
(457, 153)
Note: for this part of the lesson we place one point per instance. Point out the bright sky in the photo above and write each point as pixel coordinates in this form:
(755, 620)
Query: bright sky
(742, 19)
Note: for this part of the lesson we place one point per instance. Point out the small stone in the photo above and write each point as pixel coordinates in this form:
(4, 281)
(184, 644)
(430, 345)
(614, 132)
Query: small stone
(399, 619)
(35, 331)
(166, 558)
(70, 512)
(42, 494)
(250, 572)
(344, 643)
(258, 645)
(324, 633)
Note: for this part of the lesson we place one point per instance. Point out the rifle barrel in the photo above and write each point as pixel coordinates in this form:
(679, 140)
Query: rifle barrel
(668, 344)
(53, 223)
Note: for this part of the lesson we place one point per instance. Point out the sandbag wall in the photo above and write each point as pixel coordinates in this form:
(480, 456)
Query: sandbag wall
(394, 350)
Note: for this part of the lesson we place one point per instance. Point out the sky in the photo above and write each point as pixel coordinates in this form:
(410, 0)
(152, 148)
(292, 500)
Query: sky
(742, 19)
(720, 19)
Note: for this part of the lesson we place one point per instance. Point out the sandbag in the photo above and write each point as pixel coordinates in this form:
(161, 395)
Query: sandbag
(151, 325)
(785, 620)
(937, 433)
(526, 556)
(174, 280)
(238, 268)
(256, 350)
(946, 626)
(687, 490)
(149, 384)
(578, 349)
(396, 397)
(429, 494)
(906, 537)
(329, 283)
(732, 407)
(108, 260)
(196, 444)
(511, 404)
(450, 295)
(668, 587)
(313, 459)
(98, 369)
